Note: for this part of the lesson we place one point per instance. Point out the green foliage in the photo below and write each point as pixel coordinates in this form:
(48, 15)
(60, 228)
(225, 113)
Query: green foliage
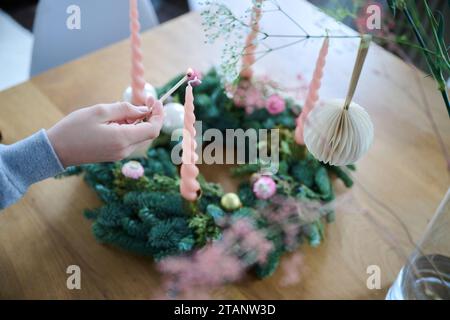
(205, 228)
(393, 6)
(433, 47)
(290, 151)
(163, 184)
(428, 28)
(267, 269)
(343, 174)
(246, 194)
(123, 184)
(273, 259)
(304, 171)
(146, 216)
(211, 193)
(314, 232)
(323, 184)
(245, 169)
(159, 162)
(170, 236)
(145, 230)
(161, 203)
(216, 213)
(244, 212)
(70, 171)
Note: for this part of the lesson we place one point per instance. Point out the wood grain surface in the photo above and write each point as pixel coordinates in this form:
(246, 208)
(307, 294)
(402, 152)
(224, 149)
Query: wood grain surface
(399, 183)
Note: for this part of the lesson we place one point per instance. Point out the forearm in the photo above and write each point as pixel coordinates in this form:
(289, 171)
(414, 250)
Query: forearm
(24, 163)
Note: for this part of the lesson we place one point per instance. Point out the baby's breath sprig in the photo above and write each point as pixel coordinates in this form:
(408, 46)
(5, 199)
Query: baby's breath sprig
(219, 22)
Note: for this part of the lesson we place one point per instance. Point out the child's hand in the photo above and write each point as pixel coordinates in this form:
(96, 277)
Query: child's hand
(103, 133)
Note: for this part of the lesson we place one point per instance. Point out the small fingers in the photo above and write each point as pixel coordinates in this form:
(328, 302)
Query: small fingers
(155, 106)
(150, 101)
(142, 131)
(134, 133)
(157, 117)
(119, 112)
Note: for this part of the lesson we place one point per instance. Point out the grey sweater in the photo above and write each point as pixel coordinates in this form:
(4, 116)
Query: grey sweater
(24, 163)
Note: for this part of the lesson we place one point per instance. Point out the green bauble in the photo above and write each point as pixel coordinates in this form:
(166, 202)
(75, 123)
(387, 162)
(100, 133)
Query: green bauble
(230, 201)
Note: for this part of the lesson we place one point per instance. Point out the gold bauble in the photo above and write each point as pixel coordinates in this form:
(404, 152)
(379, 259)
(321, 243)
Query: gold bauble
(230, 201)
(255, 176)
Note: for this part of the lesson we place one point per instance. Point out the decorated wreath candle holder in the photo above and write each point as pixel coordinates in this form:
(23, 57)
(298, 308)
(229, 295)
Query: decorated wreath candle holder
(144, 206)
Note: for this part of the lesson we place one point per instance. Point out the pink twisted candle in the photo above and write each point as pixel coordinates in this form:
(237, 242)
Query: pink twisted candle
(248, 58)
(189, 186)
(313, 92)
(137, 67)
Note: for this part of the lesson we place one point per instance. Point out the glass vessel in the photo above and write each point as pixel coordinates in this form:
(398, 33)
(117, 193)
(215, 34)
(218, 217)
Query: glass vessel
(426, 276)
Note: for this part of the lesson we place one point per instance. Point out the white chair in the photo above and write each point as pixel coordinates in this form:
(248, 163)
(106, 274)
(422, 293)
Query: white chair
(102, 22)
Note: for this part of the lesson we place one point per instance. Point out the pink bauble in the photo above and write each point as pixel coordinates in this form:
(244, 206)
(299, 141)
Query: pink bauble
(275, 104)
(264, 188)
(133, 170)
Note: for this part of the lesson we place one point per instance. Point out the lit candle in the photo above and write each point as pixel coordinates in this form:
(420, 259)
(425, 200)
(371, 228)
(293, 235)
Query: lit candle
(313, 92)
(189, 186)
(137, 67)
(248, 58)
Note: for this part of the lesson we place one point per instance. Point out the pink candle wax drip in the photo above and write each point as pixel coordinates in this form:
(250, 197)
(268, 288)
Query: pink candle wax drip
(248, 58)
(189, 186)
(137, 67)
(313, 92)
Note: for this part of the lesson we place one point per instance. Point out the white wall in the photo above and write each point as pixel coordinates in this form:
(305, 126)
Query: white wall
(15, 52)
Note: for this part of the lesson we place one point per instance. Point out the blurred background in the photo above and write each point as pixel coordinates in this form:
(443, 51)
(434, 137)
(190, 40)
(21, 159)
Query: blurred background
(18, 20)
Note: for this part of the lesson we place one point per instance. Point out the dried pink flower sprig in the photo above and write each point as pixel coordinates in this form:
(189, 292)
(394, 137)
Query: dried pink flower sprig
(292, 268)
(218, 263)
(249, 95)
(258, 93)
(242, 246)
(287, 216)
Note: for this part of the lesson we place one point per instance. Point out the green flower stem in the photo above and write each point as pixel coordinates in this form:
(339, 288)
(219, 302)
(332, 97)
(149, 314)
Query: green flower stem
(437, 75)
(444, 94)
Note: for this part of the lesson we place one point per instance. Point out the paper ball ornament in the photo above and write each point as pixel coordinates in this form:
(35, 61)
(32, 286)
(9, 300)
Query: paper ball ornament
(173, 117)
(148, 89)
(230, 201)
(336, 135)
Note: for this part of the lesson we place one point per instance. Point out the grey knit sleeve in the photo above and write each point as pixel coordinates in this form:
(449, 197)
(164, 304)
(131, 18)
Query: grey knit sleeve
(24, 163)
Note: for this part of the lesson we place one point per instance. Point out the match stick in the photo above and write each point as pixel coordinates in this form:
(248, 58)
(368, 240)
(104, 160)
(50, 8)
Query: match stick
(173, 89)
(193, 78)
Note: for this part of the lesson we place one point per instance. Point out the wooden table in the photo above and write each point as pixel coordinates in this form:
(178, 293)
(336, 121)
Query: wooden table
(399, 183)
